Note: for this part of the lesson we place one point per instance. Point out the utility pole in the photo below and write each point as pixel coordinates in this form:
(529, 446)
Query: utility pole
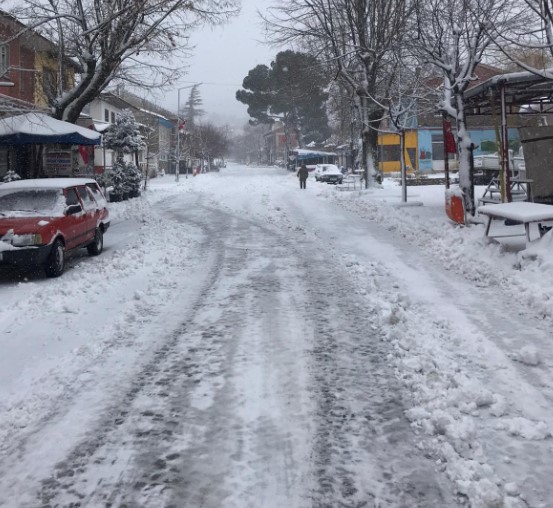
(177, 151)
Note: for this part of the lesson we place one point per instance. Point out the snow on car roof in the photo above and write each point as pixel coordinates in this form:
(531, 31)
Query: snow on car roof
(46, 183)
(329, 168)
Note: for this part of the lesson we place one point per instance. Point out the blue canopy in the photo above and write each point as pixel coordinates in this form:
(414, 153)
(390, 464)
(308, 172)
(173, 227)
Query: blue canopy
(37, 128)
(316, 156)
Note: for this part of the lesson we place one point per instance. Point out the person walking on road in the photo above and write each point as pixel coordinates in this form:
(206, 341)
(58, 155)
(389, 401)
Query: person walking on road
(303, 173)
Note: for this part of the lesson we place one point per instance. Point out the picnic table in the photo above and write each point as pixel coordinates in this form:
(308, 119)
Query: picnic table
(517, 212)
(520, 190)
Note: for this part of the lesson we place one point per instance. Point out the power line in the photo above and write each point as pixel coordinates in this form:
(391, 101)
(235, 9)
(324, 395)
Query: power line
(211, 83)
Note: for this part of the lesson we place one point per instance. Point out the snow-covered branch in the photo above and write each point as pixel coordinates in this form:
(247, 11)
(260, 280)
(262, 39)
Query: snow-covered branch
(108, 38)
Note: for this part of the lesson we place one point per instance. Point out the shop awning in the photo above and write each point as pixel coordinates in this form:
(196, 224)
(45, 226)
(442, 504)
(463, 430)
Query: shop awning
(303, 154)
(38, 128)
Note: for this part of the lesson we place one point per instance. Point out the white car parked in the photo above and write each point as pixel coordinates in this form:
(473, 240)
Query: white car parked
(329, 173)
(491, 161)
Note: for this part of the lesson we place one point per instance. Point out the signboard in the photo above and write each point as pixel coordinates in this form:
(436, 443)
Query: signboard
(59, 163)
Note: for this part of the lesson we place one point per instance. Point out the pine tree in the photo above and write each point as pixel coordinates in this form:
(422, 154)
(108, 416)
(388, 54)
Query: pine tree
(192, 110)
(124, 135)
(11, 176)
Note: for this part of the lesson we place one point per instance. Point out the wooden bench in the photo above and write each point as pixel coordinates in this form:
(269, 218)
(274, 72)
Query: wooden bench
(517, 212)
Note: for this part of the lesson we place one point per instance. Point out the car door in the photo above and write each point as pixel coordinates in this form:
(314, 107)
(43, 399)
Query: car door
(100, 199)
(72, 229)
(90, 214)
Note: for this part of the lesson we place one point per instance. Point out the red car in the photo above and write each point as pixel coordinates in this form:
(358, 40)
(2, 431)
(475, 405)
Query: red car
(43, 219)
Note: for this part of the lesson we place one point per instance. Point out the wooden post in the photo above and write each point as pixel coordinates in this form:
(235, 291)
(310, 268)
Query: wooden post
(505, 146)
(446, 154)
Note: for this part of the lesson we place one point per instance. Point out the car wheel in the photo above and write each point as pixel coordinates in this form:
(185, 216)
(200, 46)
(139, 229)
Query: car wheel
(97, 245)
(56, 260)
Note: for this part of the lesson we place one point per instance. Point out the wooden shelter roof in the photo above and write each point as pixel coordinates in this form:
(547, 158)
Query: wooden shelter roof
(525, 93)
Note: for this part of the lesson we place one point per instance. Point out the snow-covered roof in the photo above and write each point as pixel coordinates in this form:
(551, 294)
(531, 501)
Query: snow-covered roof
(153, 113)
(46, 183)
(303, 151)
(517, 89)
(101, 126)
(38, 128)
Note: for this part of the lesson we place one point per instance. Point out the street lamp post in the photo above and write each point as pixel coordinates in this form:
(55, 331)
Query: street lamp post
(177, 165)
(177, 151)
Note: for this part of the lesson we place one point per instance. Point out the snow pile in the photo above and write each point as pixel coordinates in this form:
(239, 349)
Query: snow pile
(527, 429)
(539, 253)
(453, 405)
(461, 249)
(528, 355)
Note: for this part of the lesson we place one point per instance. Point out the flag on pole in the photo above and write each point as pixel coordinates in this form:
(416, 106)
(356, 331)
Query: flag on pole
(449, 140)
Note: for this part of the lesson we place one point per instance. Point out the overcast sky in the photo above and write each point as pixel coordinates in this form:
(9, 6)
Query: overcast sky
(221, 60)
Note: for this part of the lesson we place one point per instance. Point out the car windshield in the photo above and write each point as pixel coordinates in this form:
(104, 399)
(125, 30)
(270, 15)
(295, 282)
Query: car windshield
(15, 202)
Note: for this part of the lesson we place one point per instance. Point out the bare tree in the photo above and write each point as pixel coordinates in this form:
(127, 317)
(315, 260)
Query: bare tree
(249, 145)
(209, 142)
(409, 97)
(118, 39)
(516, 58)
(452, 36)
(529, 42)
(151, 153)
(355, 37)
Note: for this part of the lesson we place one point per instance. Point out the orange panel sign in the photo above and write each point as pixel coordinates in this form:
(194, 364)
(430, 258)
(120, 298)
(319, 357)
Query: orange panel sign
(455, 208)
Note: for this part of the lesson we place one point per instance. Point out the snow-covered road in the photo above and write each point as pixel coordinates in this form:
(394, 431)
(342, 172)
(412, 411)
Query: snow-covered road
(242, 343)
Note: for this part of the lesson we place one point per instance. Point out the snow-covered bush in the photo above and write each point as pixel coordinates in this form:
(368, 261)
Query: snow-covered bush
(115, 178)
(133, 179)
(124, 135)
(123, 180)
(11, 176)
(102, 180)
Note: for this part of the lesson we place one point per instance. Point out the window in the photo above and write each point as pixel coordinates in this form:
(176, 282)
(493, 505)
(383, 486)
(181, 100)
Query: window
(389, 153)
(438, 148)
(112, 117)
(86, 197)
(39, 200)
(106, 115)
(97, 193)
(4, 58)
(71, 197)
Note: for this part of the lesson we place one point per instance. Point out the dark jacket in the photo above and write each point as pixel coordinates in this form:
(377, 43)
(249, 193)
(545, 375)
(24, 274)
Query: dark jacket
(303, 173)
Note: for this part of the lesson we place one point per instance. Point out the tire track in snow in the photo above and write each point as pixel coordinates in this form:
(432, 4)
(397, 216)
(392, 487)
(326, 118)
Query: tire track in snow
(360, 416)
(162, 445)
(64, 481)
